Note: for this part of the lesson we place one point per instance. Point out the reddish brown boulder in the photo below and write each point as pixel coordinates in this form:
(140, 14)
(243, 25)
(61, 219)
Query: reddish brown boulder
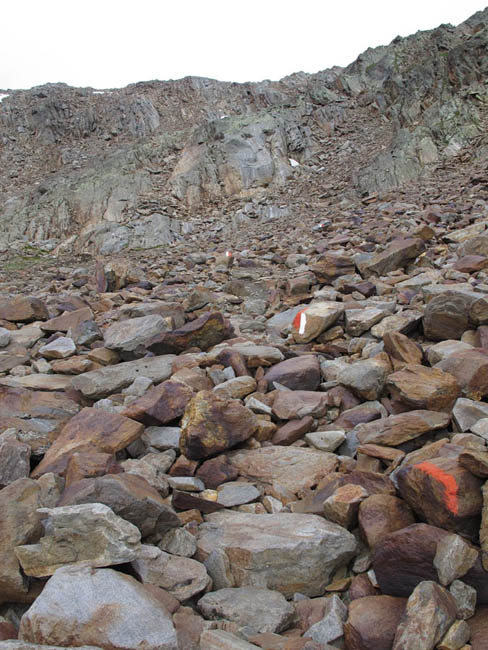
(67, 320)
(470, 368)
(361, 587)
(89, 465)
(292, 431)
(187, 501)
(212, 424)
(372, 482)
(23, 309)
(372, 622)
(91, 430)
(446, 316)
(396, 255)
(478, 625)
(160, 404)
(419, 387)
(296, 404)
(216, 471)
(406, 557)
(331, 266)
(298, 373)
(443, 493)
(401, 349)
(382, 514)
(204, 332)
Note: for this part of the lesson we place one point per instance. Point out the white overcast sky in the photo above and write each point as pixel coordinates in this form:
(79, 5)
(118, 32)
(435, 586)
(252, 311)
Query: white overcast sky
(108, 43)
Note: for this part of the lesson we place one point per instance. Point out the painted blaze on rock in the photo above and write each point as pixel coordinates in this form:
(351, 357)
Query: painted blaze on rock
(212, 424)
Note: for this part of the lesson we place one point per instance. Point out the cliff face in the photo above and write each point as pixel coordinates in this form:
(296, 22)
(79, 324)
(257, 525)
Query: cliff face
(126, 168)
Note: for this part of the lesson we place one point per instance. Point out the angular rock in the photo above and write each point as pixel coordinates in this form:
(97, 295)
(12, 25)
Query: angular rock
(237, 493)
(299, 373)
(212, 424)
(90, 532)
(262, 610)
(447, 316)
(397, 429)
(204, 332)
(60, 348)
(343, 505)
(216, 471)
(456, 636)
(442, 493)
(129, 496)
(395, 256)
(331, 626)
(453, 558)
(365, 378)
(23, 310)
(182, 577)
(14, 458)
(467, 412)
(101, 383)
(236, 388)
(465, 597)
(359, 321)
(91, 429)
(282, 552)
(221, 640)
(129, 337)
(311, 321)
(161, 404)
(68, 320)
(470, 368)
(402, 349)
(98, 606)
(292, 405)
(419, 387)
(372, 622)
(429, 613)
(331, 266)
(381, 514)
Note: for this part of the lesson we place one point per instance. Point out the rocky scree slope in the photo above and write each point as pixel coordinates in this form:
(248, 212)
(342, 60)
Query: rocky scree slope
(130, 168)
(269, 432)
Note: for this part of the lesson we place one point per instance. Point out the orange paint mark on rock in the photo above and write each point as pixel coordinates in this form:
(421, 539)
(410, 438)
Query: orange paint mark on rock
(296, 320)
(448, 481)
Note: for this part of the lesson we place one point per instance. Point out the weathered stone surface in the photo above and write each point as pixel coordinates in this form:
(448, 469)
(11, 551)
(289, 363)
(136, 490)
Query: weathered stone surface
(397, 429)
(256, 355)
(402, 349)
(68, 320)
(359, 321)
(406, 557)
(101, 383)
(395, 256)
(129, 496)
(365, 378)
(91, 429)
(262, 610)
(90, 464)
(236, 388)
(14, 458)
(447, 316)
(152, 468)
(419, 387)
(467, 412)
(180, 576)
(443, 493)
(325, 440)
(221, 640)
(311, 321)
(465, 598)
(292, 405)
(299, 373)
(429, 613)
(161, 404)
(381, 514)
(456, 636)
(444, 349)
(331, 266)
(331, 626)
(204, 332)
(179, 541)
(23, 310)
(129, 337)
(453, 558)
(479, 629)
(89, 606)
(484, 527)
(90, 532)
(216, 471)
(237, 493)
(20, 523)
(212, 424)
(342, 506)
(282, 552)
(470, 368)
(292, 469)
(372, 622)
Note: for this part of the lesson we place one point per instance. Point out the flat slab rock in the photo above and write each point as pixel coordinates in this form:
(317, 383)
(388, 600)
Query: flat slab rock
(290, 468)
(285, 552)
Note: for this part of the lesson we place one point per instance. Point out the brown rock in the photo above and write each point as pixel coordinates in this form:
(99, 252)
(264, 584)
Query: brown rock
(23, 309)
(216, 471)
(470, 368)
(90, 430)
(447, 316)
(361, 587)
(212, 424)
(293, 405)
(419, 387)
(395, 256)
(479, 629)
(20, 523)
(161, 404)
(372, 622)
(397, 429)
(476, 461)
(73, 366)
(187, 501)
(343, 505)
(401, 349)
(453, 558)
(299, 373)
(67, 320)
(372, 482)
(406, 557)
(382, 514)
(484, 527)
(429, 613)
(332, 266)
(89, 465)
(204, 332)
(292, 431)
(443, 493)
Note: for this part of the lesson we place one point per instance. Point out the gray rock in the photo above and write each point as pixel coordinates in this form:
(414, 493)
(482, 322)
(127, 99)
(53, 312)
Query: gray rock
(105, 381)
(129, 337)
(467, 412)
(465, 597)
(262, 610)
(331, 626)
(359, 321)
(236, 493)
(14, 458)
(5, 337)
(162, 438)
(179, 541)
(221, 640)
(282, 552)
(75, 603)
(325, 440)
(60, 348)
(88, 532)
(365, 378)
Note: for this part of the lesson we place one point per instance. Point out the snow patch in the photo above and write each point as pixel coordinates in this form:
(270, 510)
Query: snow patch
(293, 163)
(3, 96)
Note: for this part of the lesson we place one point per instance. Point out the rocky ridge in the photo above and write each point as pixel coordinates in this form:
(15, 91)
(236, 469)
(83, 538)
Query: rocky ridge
(274, 434)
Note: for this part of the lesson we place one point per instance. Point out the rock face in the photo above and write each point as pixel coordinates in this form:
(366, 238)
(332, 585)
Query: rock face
(282, 552)
(97, 606)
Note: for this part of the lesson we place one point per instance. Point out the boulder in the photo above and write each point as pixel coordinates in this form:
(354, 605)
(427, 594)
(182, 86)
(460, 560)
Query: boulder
(419, 387)
(397, 429)
(396, 255)
(203, 332)
(311, 321)
(23, 309)
(372, 622)
(129, 337)
(161, 404)
(298, 373)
